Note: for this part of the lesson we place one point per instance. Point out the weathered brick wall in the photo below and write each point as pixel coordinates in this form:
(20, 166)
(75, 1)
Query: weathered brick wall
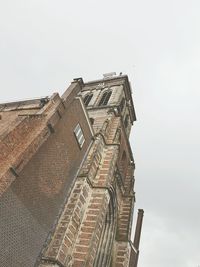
(75, 240)
(98, 171)
(122, 254)
(41, 182)
(62, 242)
(22, 140)
(89, 235)
(98, 174)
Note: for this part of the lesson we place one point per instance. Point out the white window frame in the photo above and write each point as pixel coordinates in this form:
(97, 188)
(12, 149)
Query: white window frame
(79, 135)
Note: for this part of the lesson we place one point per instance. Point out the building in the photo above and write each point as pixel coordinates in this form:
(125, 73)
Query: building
(67, 178)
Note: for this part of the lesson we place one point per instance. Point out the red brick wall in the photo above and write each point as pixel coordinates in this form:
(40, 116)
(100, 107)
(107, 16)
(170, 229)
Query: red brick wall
(43, 183)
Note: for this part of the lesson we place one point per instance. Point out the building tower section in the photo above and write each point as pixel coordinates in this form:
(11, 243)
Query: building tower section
(111, 112)
(96, 222)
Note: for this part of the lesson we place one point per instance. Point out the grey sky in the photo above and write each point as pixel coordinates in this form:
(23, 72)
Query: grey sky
(45, 44)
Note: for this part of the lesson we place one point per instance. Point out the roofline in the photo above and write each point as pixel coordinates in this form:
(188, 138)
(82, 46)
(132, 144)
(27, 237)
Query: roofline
(106, 79)
(39, 102)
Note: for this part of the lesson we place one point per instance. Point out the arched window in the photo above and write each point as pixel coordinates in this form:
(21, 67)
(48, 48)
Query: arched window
(121, 105)
(126, 121)
(105, 98)
(87, 99)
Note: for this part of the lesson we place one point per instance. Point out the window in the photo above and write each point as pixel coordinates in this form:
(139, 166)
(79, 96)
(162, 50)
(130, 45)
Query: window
(126, 121)
(105, 98)
(121, 105)
(92, 121)
(87, 99)
(79, 135)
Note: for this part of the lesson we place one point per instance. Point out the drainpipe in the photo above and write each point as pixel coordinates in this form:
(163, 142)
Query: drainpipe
(138, 229)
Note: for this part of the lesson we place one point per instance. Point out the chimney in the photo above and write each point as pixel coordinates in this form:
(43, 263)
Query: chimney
(136, 242)
(138, 229)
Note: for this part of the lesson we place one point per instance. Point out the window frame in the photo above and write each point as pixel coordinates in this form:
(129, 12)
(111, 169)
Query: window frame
(105, 98)
(126, 121)
(87, 98)
(80, 138)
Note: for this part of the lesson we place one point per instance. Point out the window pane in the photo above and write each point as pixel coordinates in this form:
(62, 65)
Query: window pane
(105, 98)
(79, 135)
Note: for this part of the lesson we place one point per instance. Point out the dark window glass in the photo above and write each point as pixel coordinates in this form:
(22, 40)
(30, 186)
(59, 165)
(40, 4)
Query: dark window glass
(126, 121)
(92, 121)
(87, 99)
(122, 104)
(105, 98)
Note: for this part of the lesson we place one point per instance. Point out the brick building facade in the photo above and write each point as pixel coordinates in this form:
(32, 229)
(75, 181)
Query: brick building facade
(67, 178)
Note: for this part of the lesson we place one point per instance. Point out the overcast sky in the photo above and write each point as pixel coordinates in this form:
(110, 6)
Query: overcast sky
(46, 43)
